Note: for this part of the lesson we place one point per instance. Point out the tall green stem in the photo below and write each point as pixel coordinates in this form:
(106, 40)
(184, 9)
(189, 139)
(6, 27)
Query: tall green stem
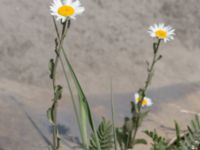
(113, 115)
(142, 92)
(54, 106)
(84, 106)
(70, 90)
(67, 79)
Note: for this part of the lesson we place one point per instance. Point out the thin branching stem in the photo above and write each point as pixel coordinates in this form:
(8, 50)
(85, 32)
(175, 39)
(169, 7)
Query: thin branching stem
(66, 76)
(142, 92)
(57, 50)
(82, 130)
(150, 70)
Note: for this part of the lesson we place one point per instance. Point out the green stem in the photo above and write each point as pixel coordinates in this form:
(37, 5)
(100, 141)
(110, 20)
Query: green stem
(69, 86)
(83, 98)
(113, 116)
(147, 83)
(55, 130)
(129, 145)
(150, 70)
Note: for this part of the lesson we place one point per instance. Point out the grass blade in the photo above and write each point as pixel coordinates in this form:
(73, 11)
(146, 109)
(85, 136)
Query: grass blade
(82, 99)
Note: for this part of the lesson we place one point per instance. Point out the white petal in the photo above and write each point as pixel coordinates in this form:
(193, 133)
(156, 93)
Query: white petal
(76, 3)
(73, 17)
(67, 2)
(80, 10)
(63, 19)
(136, 95)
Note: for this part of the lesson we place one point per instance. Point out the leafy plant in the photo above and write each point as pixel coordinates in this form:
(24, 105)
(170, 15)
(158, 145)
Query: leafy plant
(126, 135)
(57, 89)
(189, 140)
(84, 116)
(159, 142)
(105, 136)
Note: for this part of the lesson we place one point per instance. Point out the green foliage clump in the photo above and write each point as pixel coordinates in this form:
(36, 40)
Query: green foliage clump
(159, 142)
(189, 140)
(105, 136)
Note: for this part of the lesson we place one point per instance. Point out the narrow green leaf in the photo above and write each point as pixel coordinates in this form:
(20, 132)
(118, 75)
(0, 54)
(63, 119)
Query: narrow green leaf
(50, 115)
(58, 141)
(51, 68)
(177, 133)
(119, 134)
(133, 107)
(159, 57)
(194, 126)
(82, 98)
(197, 121)
(140, 141)
(83, 113)
(58, 92)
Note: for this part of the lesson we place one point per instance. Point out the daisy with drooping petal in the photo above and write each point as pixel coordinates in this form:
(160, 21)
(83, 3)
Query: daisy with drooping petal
(62, 9)
(147, 102)
(162, 32)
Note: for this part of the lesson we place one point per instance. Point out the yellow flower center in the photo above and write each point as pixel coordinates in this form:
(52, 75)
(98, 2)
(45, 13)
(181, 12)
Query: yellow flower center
(161, 34)
(144, 102)
(66, 11)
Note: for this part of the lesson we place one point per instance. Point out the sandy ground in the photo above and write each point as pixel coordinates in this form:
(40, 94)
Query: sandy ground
(24, 124)
(109, 40)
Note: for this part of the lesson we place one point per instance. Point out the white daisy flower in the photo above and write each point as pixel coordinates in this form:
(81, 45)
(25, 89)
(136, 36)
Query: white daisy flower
(62, 9)
(147, 102)
(162, 32)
